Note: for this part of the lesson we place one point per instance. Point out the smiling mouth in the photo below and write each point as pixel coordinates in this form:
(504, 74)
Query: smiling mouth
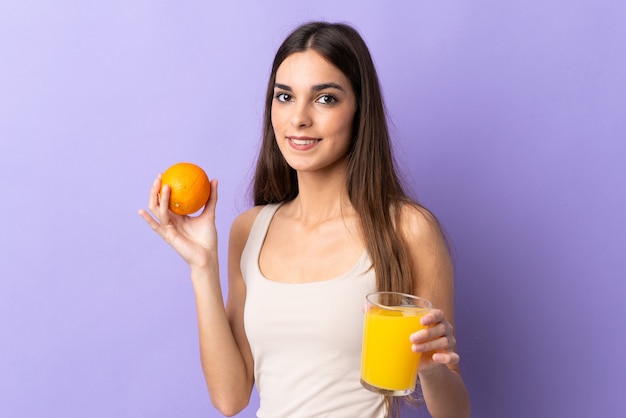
(303, 141)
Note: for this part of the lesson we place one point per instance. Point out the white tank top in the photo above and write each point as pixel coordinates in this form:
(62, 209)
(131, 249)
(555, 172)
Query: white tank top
(306, 338)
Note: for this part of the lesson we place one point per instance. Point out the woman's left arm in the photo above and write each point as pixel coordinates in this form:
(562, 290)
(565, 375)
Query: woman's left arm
(433, 279)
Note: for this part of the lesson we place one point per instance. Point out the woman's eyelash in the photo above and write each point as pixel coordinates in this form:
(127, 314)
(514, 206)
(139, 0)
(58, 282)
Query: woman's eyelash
(324, 98)
(282, 97)
(327, 99)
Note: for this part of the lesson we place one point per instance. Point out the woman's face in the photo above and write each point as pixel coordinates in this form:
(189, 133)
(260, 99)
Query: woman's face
(312, 112)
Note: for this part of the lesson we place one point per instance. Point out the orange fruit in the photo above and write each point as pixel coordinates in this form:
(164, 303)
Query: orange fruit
(189, 185)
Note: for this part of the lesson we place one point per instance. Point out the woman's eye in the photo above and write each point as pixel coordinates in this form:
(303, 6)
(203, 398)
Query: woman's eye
(283, 97)
(327, 99)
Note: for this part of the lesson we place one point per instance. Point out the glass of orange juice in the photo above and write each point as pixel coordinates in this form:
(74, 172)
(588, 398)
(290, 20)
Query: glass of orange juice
(388, 365)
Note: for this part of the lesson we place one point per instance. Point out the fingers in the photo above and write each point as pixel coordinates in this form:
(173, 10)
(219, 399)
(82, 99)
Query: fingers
(442, 343)
(158, 203)
(209, 207)
(437, 337)
(449, 357)
(213, 196)
(433, 317)
(162, 211)
(436, 327)
(153, 201)
(149, 219)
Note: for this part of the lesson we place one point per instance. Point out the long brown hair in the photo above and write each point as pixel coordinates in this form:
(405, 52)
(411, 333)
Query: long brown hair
(373, 185)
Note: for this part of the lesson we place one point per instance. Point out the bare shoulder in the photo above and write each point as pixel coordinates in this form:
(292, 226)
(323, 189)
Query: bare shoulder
(429, 255)
(239, 231)
(419, 226)
(240, 228)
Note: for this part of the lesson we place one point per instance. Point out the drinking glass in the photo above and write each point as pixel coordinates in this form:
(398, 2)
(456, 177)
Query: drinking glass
(388, 365)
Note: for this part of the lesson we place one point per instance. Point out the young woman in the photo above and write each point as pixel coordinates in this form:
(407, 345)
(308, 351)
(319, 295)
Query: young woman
(330, 224)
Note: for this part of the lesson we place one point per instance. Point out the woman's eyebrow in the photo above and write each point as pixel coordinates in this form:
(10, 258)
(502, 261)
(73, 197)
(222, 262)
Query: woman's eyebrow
(325, 86)
(316, 87)
(282, 87)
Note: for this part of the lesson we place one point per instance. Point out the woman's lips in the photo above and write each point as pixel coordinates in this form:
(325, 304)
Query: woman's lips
(302, 142)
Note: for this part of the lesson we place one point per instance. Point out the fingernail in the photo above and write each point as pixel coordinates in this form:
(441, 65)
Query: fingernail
(418, 336)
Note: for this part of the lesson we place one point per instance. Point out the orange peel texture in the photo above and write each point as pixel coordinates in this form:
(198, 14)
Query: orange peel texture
(190, 187)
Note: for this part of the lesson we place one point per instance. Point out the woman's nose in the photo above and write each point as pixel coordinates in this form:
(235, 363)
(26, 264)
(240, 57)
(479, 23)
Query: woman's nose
(301, 115)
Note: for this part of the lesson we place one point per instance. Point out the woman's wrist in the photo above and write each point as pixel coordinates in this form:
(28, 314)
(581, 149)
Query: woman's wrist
(433, 371)
(203, 264)
(201, 273)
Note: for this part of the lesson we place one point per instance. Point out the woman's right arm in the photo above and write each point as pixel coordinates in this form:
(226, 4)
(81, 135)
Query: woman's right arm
(226, 356)
(224, 351)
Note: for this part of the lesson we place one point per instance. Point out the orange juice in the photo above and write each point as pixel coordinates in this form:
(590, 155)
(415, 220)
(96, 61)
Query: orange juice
(387, 361)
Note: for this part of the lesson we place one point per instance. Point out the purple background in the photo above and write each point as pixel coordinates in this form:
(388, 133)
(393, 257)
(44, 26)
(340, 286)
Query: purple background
(509, 120)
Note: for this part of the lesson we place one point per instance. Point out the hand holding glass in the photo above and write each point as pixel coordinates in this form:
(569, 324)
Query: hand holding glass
(388, 365)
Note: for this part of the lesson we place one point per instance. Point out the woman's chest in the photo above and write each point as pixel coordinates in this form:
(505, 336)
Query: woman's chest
(324, 318)
(305, 255)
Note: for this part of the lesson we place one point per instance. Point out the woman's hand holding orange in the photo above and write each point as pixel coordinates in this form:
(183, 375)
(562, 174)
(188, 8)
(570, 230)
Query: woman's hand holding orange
(194, 238)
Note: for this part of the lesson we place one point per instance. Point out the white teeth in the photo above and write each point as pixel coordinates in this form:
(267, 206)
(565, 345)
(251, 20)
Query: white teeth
(302, 141)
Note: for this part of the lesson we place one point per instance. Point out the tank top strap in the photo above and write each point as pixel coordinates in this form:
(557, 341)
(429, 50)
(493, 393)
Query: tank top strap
(256, 237)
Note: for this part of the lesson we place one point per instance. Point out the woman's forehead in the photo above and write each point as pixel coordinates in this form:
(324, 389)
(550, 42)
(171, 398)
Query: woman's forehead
(309, 68)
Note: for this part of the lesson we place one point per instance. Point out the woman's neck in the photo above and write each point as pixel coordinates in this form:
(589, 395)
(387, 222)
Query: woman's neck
(321, 198)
